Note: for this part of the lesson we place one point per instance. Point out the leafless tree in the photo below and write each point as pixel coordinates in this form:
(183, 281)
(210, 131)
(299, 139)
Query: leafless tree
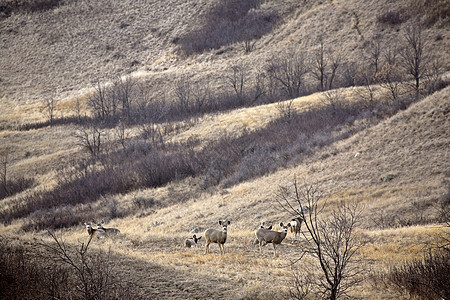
(248, 45)
(4, 161)
(286, 109)
(415, 58)
(259, 86)
(95, 276)
(102, 105)
(324, 66)
(391, 80)
(367, 79)
(433, 76)
(318, 69)
(335, 98)
(237, 80)
(182, 92)
(48, 108)
(122, 92)
(90, 137)
(201, 95)
(374, 52)
(289, 71)
(330, 239)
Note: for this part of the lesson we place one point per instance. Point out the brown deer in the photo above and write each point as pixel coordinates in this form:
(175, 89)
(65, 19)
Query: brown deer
(270, 236)
(192, 241)
(217, 236)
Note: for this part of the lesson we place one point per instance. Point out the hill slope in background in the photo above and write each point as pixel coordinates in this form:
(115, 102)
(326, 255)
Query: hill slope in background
(392, 159)
(70, 47)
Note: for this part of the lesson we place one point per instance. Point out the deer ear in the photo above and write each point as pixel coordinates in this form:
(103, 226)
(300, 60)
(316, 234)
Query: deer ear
(220, 222)
(194, 236)
(199, 238)
(281, 224)
(229, 222)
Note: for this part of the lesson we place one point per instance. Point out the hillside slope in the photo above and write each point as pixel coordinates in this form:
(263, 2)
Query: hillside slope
(397, 166)
(63, 50)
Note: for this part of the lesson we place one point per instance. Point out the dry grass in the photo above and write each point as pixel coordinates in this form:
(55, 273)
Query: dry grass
(400, 215)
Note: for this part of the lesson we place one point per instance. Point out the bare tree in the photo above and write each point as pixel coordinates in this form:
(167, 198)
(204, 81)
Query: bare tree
(122, 92)
(182, 91)
(335, 98)
(374, 52)
(48, 108)
(391, 80)
(330, 240)
(286, 109)
(90, 137)
(433, 76)
(4, 171)
(259, 86)
(95, 276)
(415, 58)
(237, 79)
(324, 66)
(289, 71)
(102, 105)
(318, 69)
(366, 78)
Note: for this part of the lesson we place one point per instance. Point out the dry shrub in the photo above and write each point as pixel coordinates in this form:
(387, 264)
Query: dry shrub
(432, 11)
(12, 187)
(59, 271)
(22, 6)
(229, 21)
(427, 278)
(392, 17)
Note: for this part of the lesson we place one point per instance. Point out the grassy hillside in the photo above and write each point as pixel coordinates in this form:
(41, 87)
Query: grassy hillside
(162, 118)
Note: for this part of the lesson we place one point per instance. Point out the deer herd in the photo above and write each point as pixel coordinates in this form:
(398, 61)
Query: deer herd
(263, 235)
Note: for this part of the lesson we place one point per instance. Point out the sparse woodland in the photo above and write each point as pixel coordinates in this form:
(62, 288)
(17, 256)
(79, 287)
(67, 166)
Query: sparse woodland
(161, 119)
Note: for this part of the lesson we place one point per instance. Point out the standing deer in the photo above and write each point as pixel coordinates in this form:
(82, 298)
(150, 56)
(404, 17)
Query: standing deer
(270, 236)
(296, 225)
(217, 236)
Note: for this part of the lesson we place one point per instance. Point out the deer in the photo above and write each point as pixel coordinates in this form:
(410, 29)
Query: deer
(262, 227)
(217, 236)
(270, 236)
(192, 241)
(91, 231)
(296, 225)
(107, 231)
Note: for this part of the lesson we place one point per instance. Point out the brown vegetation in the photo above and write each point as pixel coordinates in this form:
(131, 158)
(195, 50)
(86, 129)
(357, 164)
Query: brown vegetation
(161, 118)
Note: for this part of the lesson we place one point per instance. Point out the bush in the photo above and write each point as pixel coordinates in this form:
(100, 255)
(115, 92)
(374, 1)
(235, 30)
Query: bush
(391, 17)
(229, 21)
(59, 271)
(22, 6)
(427, 279)
(14, 186)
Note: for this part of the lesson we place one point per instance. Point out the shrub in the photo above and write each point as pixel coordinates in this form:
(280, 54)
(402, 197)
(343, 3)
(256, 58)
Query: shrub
(14, 186)
(59, 271)
(426, 278)
(391, 17)
(21, 6)
(229, 21)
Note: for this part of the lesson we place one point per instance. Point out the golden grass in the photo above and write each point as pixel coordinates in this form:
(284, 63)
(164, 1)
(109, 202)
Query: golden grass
(412, 145)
